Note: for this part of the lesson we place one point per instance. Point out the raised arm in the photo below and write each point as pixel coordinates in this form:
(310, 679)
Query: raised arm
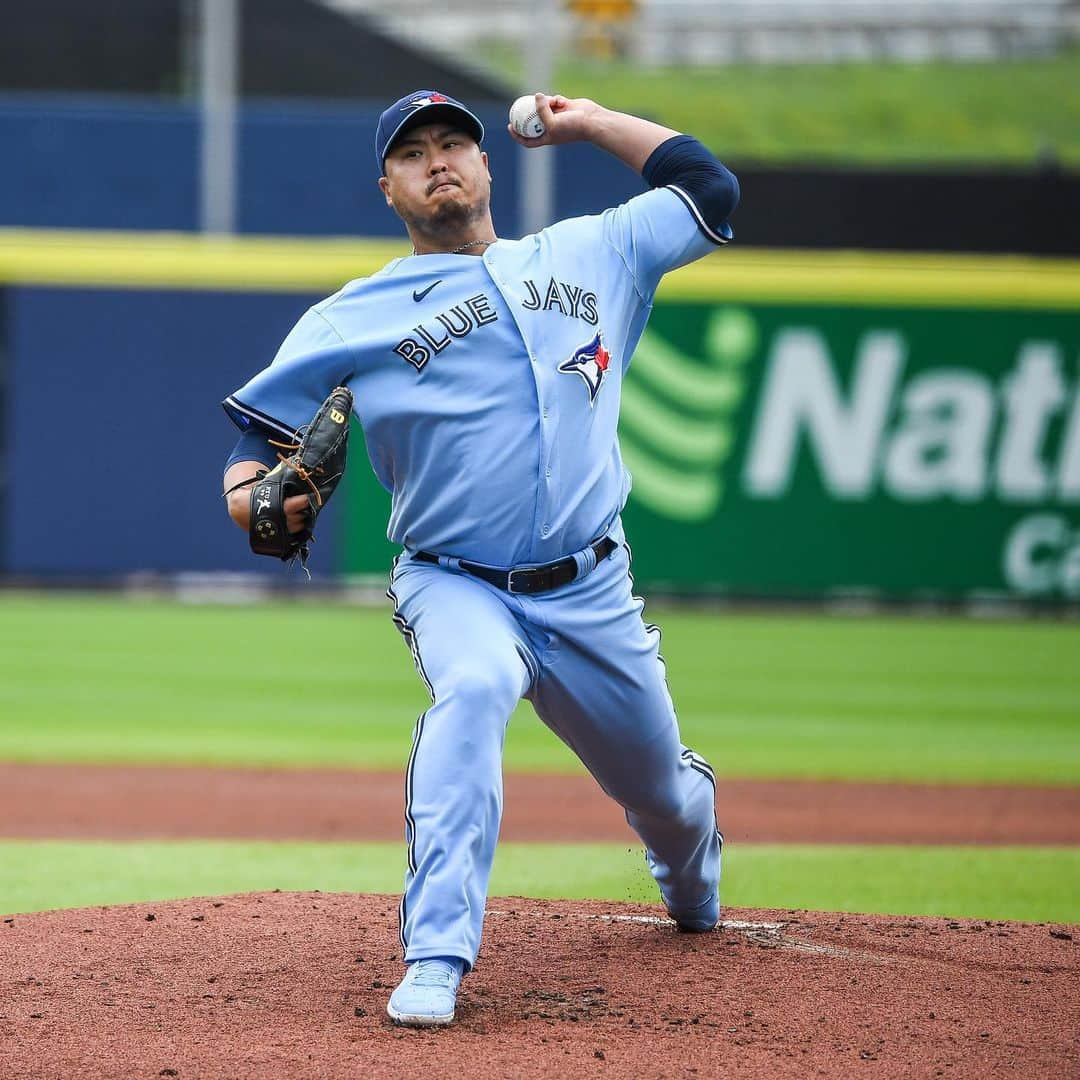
(662, 155)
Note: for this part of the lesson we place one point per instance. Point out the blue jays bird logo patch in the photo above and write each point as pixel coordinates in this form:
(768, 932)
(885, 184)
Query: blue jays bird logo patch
(590, 361)
(430, 99)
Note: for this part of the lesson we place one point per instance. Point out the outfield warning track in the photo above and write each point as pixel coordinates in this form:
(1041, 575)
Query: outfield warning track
(113, 802)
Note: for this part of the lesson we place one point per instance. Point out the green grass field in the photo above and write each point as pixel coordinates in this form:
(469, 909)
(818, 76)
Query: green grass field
(108, 679)
(1032, 884)
(1015, 112)
(90, 679)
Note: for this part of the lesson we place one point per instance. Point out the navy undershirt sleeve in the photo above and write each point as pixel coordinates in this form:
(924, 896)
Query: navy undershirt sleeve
(687, 166)
(253, 445)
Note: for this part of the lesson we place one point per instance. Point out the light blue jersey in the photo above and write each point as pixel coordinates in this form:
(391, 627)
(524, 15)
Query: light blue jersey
(488, 387)
(488, 393)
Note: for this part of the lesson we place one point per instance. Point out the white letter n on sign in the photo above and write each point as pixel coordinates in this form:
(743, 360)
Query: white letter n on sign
(801, 395)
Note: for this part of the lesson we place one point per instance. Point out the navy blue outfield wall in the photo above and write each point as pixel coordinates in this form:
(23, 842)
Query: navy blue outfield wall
(122, 386)
(86, 163)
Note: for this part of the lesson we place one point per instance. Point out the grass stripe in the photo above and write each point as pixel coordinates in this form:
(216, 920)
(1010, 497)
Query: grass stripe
(767, 696)
(1031, 884)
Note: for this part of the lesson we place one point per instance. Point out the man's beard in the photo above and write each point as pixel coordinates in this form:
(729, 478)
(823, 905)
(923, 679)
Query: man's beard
(450, 219)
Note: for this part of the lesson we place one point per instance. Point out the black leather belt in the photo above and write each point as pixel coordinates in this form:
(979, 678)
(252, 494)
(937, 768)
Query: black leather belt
(528, 579)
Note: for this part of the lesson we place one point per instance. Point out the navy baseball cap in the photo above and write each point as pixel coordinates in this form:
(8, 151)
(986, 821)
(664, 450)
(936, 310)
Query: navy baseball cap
(422, 107)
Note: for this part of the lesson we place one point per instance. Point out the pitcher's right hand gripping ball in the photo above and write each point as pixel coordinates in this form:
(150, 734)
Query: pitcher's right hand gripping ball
(525, 117)
(314, 468)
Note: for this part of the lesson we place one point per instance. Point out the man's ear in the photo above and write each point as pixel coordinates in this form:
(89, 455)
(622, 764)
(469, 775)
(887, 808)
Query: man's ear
(384, 187)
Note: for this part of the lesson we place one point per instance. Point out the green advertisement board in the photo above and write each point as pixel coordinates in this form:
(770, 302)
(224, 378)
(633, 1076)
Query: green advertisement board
(791, 450)
(780, 449)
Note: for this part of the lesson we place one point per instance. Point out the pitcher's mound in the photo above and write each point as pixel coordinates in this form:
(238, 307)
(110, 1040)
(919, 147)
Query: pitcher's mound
(283, 985)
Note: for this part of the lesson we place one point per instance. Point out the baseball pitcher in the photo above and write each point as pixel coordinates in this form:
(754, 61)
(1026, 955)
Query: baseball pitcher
(485, 373)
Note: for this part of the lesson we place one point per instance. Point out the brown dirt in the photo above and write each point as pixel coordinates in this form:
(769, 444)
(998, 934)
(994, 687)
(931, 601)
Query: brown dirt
(123, 802)
(295, 985)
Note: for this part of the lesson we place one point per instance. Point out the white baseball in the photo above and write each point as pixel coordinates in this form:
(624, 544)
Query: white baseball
(523, 118)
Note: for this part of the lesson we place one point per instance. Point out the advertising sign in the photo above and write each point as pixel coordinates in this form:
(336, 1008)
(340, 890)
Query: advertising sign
(787, 450)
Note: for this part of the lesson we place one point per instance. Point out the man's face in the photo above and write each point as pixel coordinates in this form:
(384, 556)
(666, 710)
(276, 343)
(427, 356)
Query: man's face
(437, 179)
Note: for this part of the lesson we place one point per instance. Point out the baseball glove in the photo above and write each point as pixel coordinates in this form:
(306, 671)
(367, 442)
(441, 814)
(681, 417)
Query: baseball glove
(314, 466)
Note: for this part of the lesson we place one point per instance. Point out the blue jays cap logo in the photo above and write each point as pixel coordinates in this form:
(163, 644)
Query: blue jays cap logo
(590, 361)
(420, 102)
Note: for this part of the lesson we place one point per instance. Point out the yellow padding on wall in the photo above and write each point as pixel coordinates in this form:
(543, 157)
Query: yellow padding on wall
(880, 278)
(260, 264)
(187, 260)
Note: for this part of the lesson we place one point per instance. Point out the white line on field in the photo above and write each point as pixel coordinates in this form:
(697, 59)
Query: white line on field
(653, 920)
(765, 933)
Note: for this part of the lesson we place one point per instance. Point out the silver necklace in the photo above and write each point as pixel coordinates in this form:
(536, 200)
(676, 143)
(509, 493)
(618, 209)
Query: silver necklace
(471, 243)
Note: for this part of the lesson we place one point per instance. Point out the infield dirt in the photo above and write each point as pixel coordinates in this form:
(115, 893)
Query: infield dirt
(295, 985)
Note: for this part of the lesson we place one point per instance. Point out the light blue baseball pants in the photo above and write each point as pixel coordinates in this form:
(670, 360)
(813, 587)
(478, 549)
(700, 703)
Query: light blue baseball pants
(590, 666)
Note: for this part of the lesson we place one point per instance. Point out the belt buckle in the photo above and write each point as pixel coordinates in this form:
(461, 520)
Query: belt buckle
(519, 570)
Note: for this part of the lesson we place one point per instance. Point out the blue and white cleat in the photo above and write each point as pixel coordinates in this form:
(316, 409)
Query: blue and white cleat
(427, 995)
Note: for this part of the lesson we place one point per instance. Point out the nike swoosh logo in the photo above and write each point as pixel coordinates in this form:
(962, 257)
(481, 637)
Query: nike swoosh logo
(418, 296)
